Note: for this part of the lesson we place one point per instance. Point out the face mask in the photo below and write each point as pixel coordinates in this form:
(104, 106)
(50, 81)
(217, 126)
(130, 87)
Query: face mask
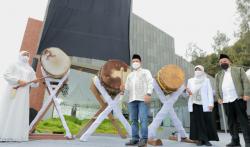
(25, 59)
(136, 65)
(198, 73)
(224, 66)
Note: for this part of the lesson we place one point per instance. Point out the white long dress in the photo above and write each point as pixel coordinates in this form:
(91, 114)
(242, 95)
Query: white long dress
(14, 104)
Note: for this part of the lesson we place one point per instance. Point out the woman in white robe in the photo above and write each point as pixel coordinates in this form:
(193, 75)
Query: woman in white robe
(200, 106)
(14, 103)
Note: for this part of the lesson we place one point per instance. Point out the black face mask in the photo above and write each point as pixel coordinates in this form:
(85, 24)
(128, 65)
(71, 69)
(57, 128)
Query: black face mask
(224, 66)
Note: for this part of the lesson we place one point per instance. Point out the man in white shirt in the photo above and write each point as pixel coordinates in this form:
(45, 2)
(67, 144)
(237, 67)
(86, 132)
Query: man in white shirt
(233, 90)
(139, 86)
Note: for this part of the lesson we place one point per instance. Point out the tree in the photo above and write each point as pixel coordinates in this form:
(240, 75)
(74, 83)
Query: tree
(194, 51)
(239, 52)
(220, 41)
(243, 8)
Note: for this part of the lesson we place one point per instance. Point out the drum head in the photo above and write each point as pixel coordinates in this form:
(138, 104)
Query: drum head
(112, 74)
(170, 78)
(55, 62)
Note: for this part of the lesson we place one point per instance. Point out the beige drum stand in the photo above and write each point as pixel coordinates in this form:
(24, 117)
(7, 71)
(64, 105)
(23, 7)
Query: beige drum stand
(103, 106)
(113, 105)
(111, 75)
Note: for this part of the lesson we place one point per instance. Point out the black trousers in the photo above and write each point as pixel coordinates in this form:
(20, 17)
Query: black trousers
(236, 112)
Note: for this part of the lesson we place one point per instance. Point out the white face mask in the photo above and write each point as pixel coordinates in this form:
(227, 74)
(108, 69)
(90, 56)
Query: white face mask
(136, 65)
(198, 73)
(25, 59)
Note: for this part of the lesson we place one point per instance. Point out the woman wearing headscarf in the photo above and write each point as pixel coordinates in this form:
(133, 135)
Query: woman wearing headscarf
(14, 103)
(200, 105)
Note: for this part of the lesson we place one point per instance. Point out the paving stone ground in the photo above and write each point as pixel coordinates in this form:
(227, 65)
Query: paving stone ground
(109, 141)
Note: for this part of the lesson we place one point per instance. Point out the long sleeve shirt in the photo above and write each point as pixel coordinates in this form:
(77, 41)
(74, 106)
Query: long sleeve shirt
(240, 81)
(228, 88)
(138, 84)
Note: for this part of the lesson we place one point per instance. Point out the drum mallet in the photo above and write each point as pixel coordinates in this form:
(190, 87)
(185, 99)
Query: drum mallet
(33, 81)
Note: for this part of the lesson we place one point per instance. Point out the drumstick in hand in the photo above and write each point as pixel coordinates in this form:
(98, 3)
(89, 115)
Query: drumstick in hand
(33, 81)
(122, 72)
(122, 80)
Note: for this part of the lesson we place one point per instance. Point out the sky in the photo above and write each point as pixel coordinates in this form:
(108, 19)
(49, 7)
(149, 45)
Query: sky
(186, 20)
(14, 15)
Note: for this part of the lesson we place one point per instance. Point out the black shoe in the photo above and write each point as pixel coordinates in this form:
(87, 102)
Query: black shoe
(132, 143)
(233, 144)
(199, 143)
(143, 143)
(207, 143)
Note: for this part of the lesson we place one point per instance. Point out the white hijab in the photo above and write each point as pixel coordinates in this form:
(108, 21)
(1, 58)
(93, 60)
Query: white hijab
(199, 78)
(23, 60)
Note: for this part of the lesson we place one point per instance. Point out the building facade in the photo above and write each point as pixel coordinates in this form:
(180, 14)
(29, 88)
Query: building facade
(157, 50)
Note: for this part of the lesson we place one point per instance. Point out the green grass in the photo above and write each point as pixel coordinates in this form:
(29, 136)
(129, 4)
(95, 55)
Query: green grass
(75, 125)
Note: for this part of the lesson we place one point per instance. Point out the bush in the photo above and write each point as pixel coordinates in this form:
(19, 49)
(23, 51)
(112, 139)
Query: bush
(54, 125)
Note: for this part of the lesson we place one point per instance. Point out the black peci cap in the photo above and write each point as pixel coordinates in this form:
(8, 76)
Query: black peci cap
(136, 56)
(224, 56)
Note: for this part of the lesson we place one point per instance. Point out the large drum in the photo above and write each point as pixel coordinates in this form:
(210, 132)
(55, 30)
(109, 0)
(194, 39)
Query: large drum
(112, 74)
(55, 62)
(170, 78)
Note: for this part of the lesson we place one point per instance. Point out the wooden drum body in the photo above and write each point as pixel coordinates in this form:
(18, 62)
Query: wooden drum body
(170, 78)
(55, 62)
(112, 74)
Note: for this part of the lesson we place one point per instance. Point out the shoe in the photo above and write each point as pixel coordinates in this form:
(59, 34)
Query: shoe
(155, 142)
(132, 143)
(143, 143)
(233, 144)
(199, 143)
(187, 140)
(207, 143)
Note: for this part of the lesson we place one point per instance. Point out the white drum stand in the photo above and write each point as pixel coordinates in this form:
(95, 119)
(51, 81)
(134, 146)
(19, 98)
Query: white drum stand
(166, 109)
(113, 105)
(53, 90)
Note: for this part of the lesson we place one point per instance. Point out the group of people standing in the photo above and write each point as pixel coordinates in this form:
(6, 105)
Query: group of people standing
(232, 90)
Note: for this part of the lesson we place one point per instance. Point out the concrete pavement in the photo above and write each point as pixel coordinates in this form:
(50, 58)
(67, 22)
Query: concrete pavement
(109, 141)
